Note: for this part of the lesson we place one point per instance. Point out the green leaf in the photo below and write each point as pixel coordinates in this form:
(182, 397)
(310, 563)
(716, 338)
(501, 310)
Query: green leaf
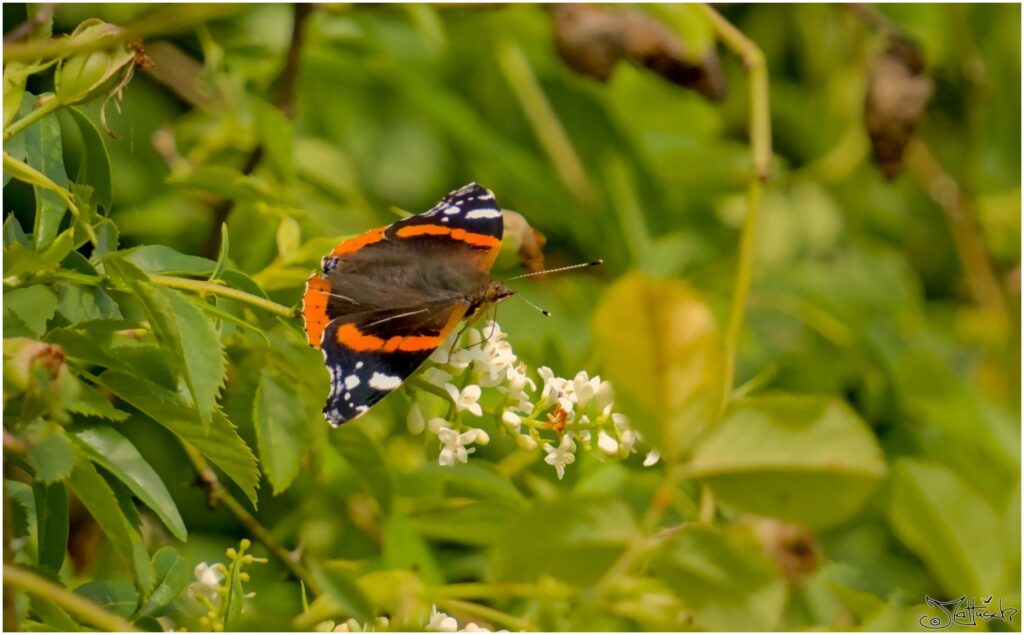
(478, 480)
(20, 259)
(220, 443)
(281, 424)
(33, 305)
(92, 404)
(44, 152)
(116, 454)
(52, 615)
(403, 548)
(52, 524)
(120, 597)
(98, 497)
(276, 133)
(191, 339)
(173, 576)
(338, 585)
(78, 304)
(368, 462)
(161, 259)
(13, 233)
(575, 540)
(806, 459)
(222, 253)
(950, 526)
(663, 355)
(94, 169)
(724, 576)
(50, 453)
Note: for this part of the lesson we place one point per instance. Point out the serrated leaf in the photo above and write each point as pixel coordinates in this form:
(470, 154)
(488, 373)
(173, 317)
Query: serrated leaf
(279, 418)
(120, 597)
(98, 497)
(50, 453)
(92, 404)
(220, 444)
(94, 169)
(44, 152)
(20, 259)
(78, 304)
(109, 449)
(34, 306)
(191, 339)
(805, 459)
(52, 524)
(173, 576)
(368, 462)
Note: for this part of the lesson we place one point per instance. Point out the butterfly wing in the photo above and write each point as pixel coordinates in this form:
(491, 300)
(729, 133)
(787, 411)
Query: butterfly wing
(389, 297)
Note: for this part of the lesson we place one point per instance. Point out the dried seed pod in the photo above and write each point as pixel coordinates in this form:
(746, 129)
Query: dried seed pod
(897, 93)
(592, 40)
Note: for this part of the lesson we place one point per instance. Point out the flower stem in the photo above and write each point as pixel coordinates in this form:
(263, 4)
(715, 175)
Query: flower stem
(77, 605)
(218, 493)
(45, 108)
(24, 172)
(212, 288)
(761, 154)
(493, 616)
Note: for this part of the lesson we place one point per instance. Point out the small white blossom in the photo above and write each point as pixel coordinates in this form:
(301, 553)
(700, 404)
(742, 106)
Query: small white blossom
(627, 440)
(436, 376)
(473, 628)
(454, 450)
(467, 399)
(441, 622)
(526, 442)
(585, 388)
(208, 579)
(607, 443)
(603, 397)
(482, 438)
(414, 420)
(436, 423)
(561, 456)
(512, 420)
(652, 457)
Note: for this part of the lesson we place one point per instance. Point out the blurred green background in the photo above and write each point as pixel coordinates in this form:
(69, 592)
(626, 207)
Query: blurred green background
(895, 301)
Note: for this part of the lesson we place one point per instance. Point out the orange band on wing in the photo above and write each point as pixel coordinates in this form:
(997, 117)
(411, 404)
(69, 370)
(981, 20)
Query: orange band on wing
(349, 335)
(314, 308)
(352, 337)
(355, 244)
(480, 240)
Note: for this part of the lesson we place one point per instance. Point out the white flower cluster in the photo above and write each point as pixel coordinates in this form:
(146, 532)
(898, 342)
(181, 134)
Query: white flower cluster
(352, 626)
(440, 622)
(556, 417)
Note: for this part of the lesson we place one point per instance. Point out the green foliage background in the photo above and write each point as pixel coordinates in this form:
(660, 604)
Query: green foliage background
(869, 456)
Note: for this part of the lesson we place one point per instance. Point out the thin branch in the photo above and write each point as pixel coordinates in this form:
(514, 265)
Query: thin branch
(204, 287)
(25, 29)
(73, 603)
(982, 282)
(542, 117)
(284, 99)
(219, 494)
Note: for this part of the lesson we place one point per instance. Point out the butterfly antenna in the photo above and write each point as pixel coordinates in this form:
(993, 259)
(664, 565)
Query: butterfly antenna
(582, 265)
(544, 312)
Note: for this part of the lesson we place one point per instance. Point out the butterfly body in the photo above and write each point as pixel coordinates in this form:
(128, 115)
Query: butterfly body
(389, 297)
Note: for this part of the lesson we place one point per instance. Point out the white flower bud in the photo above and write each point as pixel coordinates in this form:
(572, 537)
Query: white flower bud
(607, 444)
(414, 420)
(526, 442)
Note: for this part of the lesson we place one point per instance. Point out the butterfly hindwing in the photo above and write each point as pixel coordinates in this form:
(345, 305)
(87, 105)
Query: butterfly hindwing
(388, 297)
(370, 354)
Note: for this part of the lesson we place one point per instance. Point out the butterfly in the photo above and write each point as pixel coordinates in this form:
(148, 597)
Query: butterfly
(388, 298)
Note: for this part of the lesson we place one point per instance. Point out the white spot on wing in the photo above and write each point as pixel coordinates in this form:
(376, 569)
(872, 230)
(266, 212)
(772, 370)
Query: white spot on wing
(483, 213)
(351, 382)
(380, 381)
(359, 365)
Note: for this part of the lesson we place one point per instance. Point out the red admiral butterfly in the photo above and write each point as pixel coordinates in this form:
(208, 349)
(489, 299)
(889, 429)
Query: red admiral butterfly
(388, 298)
